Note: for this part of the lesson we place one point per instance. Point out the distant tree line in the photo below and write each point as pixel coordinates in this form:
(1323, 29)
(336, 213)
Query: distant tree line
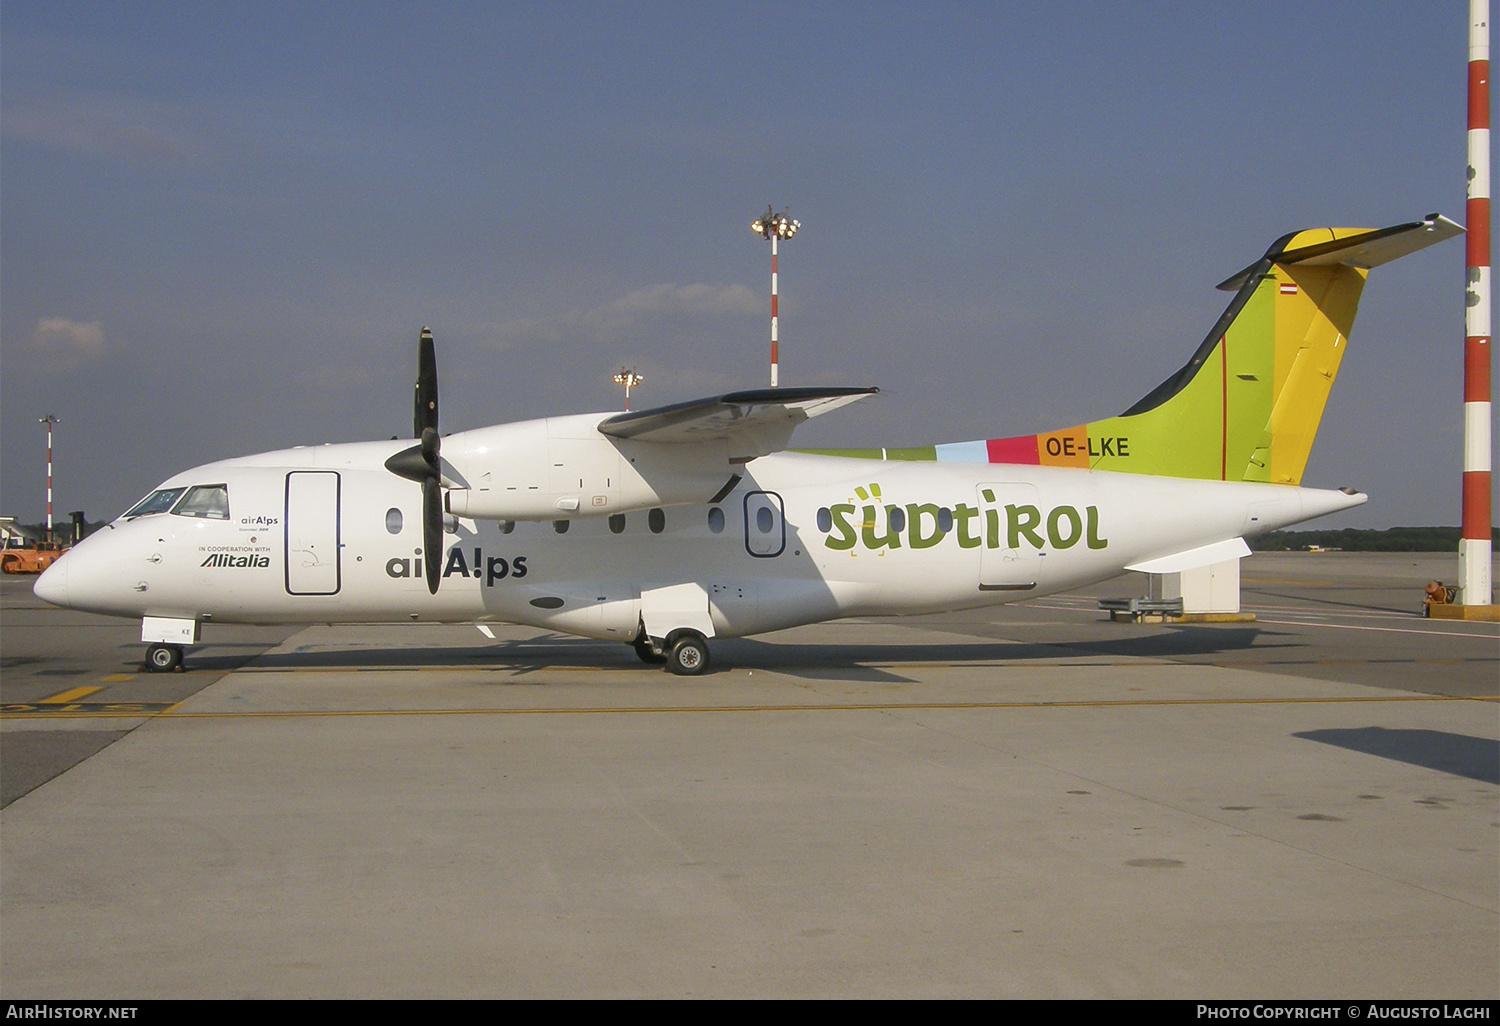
(62, 527)
(1394, 539)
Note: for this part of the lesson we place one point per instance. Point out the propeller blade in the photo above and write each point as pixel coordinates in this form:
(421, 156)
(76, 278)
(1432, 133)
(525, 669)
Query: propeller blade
(425, 414)
(423, 462)
(432, 530)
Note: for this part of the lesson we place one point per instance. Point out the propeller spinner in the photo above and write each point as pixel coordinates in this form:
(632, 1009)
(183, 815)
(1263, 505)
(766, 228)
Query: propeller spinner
(422, 462)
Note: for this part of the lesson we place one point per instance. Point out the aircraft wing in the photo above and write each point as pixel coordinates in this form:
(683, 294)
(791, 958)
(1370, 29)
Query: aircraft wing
(755, 423)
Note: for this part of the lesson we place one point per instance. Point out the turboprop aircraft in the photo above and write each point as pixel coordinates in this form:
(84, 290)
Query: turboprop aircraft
(664, 528)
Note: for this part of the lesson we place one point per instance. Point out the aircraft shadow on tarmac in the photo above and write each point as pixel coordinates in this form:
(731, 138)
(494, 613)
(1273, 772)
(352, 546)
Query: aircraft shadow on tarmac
(815, 661)
(1361, 605)
(1477, 758)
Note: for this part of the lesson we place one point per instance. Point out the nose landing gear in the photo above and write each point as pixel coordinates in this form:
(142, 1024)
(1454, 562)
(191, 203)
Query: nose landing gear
(163, 658)
(685, 651)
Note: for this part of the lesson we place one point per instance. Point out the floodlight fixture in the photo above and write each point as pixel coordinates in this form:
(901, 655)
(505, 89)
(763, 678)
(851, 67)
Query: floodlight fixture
(629, 378)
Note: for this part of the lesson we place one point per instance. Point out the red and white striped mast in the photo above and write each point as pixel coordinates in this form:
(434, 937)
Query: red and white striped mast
(775, 226)
(49, 420)
(1474, 538)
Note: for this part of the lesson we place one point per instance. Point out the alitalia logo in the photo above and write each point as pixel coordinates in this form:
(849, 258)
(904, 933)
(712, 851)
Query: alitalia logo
(225, 559)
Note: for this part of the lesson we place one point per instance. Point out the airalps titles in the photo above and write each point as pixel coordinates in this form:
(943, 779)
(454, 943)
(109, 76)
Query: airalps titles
(489, 568)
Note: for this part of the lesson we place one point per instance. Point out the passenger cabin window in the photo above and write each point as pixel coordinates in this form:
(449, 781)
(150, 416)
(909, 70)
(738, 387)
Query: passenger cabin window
(210, 502)
(158, 501)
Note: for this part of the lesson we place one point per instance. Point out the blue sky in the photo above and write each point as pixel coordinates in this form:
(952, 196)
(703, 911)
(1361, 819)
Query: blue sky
(223, 224)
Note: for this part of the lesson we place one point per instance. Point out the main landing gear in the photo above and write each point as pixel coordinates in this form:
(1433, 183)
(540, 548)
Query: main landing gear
(163, 658)
(685, 651)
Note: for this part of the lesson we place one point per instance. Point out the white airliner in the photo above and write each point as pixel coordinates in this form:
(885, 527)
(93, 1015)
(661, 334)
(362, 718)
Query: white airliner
(664, 528)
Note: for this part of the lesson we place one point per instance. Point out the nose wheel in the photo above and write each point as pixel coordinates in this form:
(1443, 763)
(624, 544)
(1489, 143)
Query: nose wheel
(163, 658)
(687, 653)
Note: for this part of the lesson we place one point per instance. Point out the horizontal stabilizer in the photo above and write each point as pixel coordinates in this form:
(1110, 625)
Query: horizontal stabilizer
(1363, 250)
(755, 423)
(1192, 559)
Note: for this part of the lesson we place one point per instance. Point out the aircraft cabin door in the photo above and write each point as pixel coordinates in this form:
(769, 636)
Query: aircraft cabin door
(765, 526)
(312, 532)
(1007, 564)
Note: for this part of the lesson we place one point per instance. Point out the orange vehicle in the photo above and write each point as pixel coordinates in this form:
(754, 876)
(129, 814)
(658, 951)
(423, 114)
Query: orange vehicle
(30, 559)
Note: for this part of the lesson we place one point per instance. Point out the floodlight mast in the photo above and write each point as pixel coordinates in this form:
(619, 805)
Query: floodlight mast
(774, 226)
(628, 377)
(49, 420)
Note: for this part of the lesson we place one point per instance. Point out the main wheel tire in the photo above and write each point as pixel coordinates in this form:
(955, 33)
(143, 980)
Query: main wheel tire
(163, 658)
(647, 654)
(688, 656)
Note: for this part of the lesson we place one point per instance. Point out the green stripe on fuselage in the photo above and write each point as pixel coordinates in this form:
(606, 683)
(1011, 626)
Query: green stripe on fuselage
(917, 454)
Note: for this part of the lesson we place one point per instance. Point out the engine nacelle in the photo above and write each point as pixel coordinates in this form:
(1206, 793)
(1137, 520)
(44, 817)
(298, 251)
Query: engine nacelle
(562, 467)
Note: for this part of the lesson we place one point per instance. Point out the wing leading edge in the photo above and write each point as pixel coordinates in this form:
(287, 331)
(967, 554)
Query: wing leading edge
(756, 422)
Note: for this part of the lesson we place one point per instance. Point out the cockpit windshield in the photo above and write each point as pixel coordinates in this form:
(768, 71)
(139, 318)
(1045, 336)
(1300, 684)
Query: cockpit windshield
(159, 501)
(209, 501)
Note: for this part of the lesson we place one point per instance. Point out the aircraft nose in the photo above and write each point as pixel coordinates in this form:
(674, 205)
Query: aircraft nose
(52, 586)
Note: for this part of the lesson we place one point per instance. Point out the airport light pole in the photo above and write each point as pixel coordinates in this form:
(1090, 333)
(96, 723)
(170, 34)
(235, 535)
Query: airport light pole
(774, 226)
(629, 378)
(1474, 536)
(49, 420)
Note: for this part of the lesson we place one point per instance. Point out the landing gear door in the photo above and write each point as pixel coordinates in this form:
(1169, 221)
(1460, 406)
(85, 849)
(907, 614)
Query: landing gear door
(312, 533)
(1008, 560)
(664, 610)
(765, 527)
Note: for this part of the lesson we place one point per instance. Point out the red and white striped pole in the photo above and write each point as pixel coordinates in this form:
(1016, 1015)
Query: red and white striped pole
(775, 352)
(1474, 539)
(775, 226)
(49, 420)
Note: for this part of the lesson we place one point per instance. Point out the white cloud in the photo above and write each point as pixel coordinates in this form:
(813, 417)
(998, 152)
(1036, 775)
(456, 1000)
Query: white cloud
(628, 314)
(67, 344)
(104, 124)
(713, 300)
